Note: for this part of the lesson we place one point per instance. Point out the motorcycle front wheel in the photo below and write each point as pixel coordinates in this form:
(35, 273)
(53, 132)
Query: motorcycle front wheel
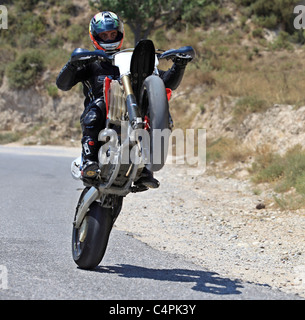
(89, 241)
(154, 107)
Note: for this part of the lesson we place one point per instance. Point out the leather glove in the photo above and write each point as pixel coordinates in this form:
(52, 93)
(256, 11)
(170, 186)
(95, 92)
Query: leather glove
(182, 60)
(80, 63)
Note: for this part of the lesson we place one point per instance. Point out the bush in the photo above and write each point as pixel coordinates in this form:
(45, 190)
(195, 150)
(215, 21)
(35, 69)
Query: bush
(258, 33)
(52, 91)
(287, 171)
(271, 13)
(25, 29)
(64, 20)
(69, 8)
(27, 5)
(282, 42)
(56, 41)
(35, 24)
(24, 72)
(8, 137)
(269, 22)
(201, 12)
(76, 33)
(247, 105)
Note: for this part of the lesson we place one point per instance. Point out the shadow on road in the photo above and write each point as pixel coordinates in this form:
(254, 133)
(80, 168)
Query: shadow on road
(208, 282)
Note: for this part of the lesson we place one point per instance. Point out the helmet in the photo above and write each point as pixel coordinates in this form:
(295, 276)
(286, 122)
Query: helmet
(106, 21)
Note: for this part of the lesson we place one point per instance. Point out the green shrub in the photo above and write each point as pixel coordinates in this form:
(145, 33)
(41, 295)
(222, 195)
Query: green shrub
(56, 41)
(282, 42)
(247, 105)
(52, 91)
(25, 28)
(27, 40)
(258, 33)
(64, 20)
(294, 161)
(300, 184)
(67, 7)
(24, 72)
(270, 13)
(9, 137)
(35, 24)
(269, 22)
(271, 173)
(201, 12)
(287, 171)
(76, 33)
(25, 5)
(56, 58)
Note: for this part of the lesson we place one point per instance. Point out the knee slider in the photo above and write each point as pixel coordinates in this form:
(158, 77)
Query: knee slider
(91, 118)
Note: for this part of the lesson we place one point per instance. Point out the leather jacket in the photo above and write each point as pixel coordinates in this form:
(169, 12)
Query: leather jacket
(93, 74)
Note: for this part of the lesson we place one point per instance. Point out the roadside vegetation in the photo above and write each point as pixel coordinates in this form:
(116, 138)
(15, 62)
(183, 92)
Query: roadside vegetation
(285, 173)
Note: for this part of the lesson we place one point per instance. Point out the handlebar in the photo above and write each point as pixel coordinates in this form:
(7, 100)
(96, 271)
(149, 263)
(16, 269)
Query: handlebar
(186, 52)
(80, 54)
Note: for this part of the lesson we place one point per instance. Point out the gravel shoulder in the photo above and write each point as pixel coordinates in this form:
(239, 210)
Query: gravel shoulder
(214, 223)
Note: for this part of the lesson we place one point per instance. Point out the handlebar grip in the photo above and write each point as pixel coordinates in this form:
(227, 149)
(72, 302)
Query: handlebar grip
(186, 53)
(84, 54)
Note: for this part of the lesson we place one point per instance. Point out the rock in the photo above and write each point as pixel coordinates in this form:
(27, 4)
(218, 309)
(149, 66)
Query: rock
(260, 206)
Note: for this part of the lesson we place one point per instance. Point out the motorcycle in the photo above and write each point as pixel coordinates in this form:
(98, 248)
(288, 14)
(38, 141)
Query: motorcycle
(137, 130)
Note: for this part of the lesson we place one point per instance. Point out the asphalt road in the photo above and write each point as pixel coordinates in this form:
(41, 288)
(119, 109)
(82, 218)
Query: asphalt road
(37, 201)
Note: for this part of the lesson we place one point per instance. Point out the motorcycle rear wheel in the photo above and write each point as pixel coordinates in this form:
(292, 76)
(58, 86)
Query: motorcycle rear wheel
(89, 241)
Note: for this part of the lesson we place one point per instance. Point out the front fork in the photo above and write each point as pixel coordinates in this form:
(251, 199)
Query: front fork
(135, 118)
(83, 207)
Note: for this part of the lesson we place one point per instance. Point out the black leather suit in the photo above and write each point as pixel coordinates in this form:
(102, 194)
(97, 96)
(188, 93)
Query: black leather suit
(92, 77)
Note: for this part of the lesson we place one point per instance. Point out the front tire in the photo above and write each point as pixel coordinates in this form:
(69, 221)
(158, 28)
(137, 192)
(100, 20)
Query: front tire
(89, 241)
(154, 105)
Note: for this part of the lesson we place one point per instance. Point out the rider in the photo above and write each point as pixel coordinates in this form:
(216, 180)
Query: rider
(106, 31)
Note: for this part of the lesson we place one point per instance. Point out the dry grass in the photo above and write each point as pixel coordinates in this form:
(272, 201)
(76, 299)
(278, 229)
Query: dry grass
(249, 70)
(228, 150)
(275, 78)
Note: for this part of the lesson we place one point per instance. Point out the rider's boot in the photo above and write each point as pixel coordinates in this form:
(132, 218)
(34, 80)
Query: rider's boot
(90, 167)
(147, 179)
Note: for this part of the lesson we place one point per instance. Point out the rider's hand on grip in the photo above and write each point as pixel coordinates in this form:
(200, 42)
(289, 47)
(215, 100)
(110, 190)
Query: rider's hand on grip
(182, 60)
(81, 62)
